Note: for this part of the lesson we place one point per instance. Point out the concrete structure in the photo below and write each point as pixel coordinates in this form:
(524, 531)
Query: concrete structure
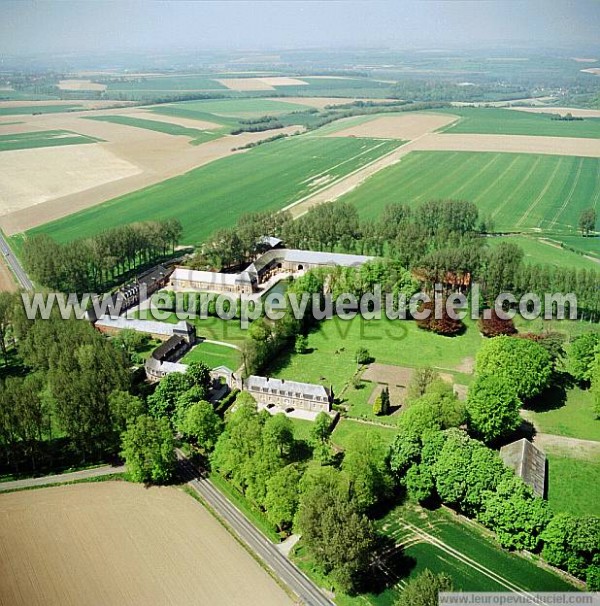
(275, 261)
(528, 462)
(289, 395)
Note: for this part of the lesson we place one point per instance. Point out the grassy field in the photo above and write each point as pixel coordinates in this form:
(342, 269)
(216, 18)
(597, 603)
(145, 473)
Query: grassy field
(268, 177)
(573, 419)
(347, 431)
(573, 484)
(37, 109)
(333, 346)
(229, 108)
(471, 541)
(212, 328)
(46, 138)
(165, 83)
(197, 136)
(495, 121)
(545, 252)
(213, 355)
(588, 246)
(519, 191)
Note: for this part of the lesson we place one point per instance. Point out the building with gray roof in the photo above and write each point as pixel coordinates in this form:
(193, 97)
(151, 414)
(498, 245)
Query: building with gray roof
(528, 462)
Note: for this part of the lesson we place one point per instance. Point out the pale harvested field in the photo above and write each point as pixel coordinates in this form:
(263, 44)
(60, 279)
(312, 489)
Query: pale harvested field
(61, 180)
(266, 83)
(407, 127)
(114, 543)
(582, 113)
(31, 176)
(186, 122)
(558, 146)
(80, 85)
(7, 281)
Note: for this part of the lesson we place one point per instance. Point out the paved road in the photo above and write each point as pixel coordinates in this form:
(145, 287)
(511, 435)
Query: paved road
(14, 264)
(94, 472)
(296, 580)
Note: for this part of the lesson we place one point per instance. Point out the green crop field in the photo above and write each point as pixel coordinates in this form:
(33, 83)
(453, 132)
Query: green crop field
(197, 136)
(545, 252)
(213, 355)
(46, 138)
(467, 553)
(268, 177)
(338, 87)
(166, 83)
(229, 108)
(588, 245)
(37, 109)
(493, 121)
(519, 191)
(574, 484)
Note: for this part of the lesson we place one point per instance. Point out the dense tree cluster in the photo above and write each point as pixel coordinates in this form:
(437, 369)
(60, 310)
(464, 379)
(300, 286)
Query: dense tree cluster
(73, 372)
(439, 242)
(93, 264)
(522, 364)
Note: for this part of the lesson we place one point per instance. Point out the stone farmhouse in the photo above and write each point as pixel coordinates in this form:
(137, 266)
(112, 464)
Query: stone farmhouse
(288, 395)
(277, 261)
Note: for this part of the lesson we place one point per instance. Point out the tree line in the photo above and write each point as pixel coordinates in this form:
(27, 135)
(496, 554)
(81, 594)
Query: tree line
(97, 263)
(441, 241)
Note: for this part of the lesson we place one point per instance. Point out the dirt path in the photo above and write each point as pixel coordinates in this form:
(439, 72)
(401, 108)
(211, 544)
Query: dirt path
(571, 447)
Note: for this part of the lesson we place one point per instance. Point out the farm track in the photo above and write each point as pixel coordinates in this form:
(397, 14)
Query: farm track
(530, 208)
(568, 198)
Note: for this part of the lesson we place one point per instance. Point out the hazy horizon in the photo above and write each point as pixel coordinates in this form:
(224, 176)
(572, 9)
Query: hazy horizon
(28, 28)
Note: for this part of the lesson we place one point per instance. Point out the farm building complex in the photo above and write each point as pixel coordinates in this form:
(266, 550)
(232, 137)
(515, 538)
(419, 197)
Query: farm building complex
(277, 261)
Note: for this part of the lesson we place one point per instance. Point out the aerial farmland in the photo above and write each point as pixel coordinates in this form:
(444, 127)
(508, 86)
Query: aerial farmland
(335, 273)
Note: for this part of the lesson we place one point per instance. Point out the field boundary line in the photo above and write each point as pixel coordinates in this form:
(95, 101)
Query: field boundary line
(568, 198)
(518, 188)
(526, 214)
(494, 159)
(484, 192)
(331, 184)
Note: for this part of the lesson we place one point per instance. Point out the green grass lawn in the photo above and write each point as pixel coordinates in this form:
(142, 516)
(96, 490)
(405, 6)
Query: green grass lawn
(497, 121)
(573, 484)
(213, 355)
(212, 328)
(334, 342)
(197, 136)
(518, 191)
(347, 431)
(210, 197)
(46, 138)
(38, 109)
(545, 252)
(573, 419)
